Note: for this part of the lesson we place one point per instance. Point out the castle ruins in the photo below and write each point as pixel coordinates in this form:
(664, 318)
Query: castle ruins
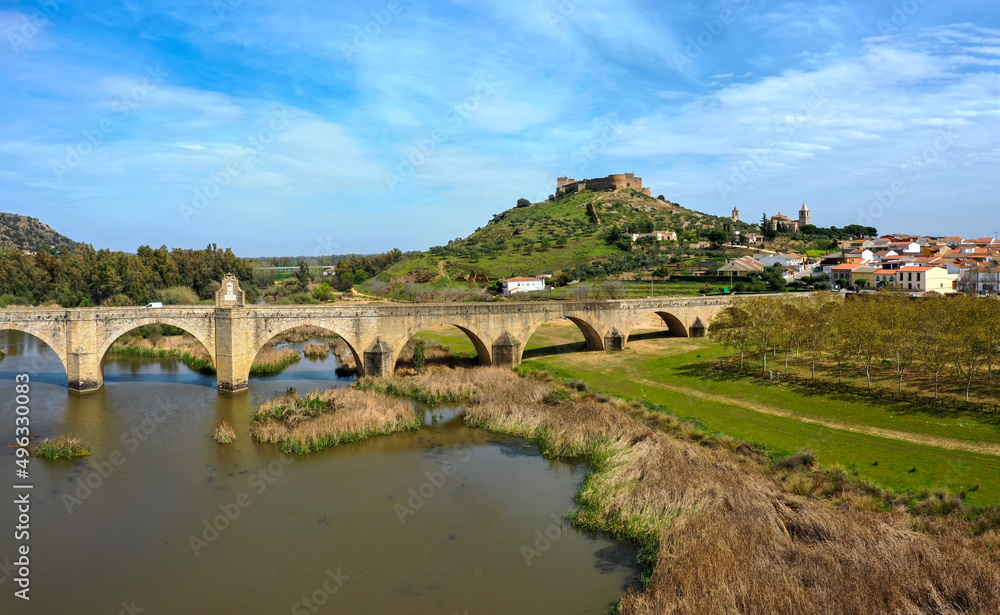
(617, 181)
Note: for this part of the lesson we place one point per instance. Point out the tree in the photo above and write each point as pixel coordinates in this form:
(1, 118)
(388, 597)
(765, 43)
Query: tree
(613, 289)
(815, 320)
(968, 341)
(765, 323)
(862, 331)
(303, 276)
(731, 328)
(718, 236)
(419, 355)
(897, 321)
(934, 321)
(523, 203)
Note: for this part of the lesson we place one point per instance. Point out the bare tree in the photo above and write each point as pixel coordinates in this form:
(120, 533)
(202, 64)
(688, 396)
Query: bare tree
(613, 289)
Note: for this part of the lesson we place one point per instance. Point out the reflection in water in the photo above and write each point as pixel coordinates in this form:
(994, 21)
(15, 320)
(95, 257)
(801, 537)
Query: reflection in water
(438, 521)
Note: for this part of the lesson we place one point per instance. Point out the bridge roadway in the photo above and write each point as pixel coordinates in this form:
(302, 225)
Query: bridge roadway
(375, 333)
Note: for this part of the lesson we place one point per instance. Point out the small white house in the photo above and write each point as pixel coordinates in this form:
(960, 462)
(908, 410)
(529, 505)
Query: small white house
(522, 285)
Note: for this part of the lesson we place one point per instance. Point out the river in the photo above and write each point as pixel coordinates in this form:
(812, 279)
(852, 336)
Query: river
(444, 520)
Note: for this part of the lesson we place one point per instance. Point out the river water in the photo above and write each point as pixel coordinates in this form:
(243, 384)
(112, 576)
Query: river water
(445, 520)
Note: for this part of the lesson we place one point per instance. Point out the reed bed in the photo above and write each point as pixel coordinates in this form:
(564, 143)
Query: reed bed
(323, 419)
(442, 384)
(224, 432)
(306, 333)
(724, 529)
(63, 447)
(313, 350)
(184, 348)
(271, 361)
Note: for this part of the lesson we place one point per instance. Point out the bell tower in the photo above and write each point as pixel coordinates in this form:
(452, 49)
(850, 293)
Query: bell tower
(805, 216)
(736, 214)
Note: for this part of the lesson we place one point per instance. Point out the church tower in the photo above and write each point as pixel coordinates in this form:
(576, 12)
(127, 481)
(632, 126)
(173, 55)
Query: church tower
(736, 215)
(805, 216)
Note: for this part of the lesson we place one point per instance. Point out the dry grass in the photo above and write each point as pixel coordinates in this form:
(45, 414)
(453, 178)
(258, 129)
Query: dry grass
(722, 528)
(326, 418)
(442, 384)
(313, 350)
(435, 355)
(224, 432)
(274, 360)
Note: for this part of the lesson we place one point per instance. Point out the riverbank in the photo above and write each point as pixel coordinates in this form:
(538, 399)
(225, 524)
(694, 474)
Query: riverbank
(719, 521)
(323, 419)
(891, 444)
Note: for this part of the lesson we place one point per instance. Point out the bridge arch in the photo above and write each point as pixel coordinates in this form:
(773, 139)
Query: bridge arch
(674, 324)
(591, 336)
(112, 335)
(285, 327)
(58, 348)
(483, 354)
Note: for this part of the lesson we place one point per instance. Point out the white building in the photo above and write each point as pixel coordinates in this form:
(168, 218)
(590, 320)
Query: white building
(657, 235)
(522, 285)
(794, 262)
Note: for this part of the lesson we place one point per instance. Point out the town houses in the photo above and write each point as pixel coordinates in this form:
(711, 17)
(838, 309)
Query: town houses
(910, 263)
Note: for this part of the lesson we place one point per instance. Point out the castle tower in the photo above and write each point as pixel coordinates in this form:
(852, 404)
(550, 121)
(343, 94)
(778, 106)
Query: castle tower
(804, 216)
(736, 214)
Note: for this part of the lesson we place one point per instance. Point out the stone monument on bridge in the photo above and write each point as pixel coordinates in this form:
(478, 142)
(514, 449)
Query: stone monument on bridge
(230, 294)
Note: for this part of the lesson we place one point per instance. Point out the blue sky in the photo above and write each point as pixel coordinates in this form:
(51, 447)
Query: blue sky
(314, 128)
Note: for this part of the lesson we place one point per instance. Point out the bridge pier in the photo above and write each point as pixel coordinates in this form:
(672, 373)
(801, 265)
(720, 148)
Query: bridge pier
(379, 359)
(233, 351)
(614, 340)
(83, 364)
(506, 351)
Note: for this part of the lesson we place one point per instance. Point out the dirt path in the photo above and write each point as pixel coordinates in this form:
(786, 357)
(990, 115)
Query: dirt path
(987, 448)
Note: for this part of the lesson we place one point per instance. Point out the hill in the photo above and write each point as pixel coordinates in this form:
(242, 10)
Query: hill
(24, 233)
(579, 234)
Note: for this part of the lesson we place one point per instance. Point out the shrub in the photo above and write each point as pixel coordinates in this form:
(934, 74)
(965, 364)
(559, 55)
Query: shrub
(178, 295)
(61, 447)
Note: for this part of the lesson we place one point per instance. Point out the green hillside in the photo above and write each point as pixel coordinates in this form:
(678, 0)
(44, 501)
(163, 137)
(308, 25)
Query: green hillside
(24, 233)
(579, 234)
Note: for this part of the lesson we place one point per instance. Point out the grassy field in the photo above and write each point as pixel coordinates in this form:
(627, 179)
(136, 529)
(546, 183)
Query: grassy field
(926, 450)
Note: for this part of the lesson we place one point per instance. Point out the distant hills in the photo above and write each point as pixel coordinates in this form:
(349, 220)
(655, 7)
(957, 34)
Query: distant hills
(24, 233)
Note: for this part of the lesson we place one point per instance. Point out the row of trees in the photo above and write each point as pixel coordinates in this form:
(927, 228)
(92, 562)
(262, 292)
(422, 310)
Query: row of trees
(951, 339)
(87, 277)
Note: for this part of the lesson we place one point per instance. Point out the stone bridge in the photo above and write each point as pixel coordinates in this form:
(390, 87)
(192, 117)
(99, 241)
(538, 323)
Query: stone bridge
(375, 333)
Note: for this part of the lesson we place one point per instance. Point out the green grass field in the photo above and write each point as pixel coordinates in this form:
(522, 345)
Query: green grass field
(654, 360)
